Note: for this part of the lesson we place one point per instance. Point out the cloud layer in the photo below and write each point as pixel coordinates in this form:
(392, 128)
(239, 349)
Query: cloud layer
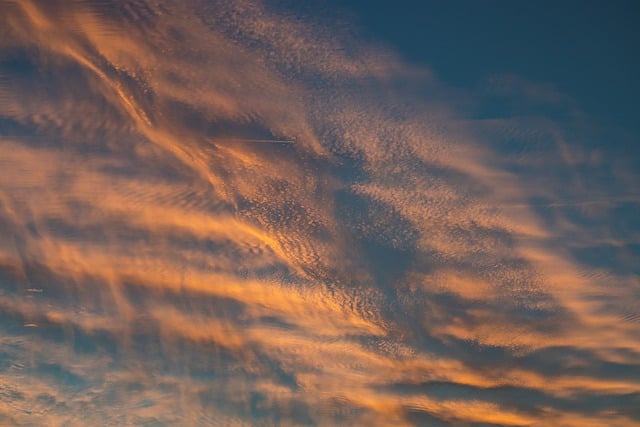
(401, 263)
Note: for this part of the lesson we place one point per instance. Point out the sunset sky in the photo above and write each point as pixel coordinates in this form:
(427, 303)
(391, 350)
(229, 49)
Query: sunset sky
(324, 213)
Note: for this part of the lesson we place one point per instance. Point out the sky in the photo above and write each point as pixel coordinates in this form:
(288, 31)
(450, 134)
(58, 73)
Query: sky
(584, 49)
(261, 213)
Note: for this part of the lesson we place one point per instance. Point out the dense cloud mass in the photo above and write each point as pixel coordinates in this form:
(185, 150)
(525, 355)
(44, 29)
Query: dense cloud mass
(227, 213)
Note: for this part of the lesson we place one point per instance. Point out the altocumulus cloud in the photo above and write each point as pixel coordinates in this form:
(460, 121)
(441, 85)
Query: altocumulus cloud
(402, 262)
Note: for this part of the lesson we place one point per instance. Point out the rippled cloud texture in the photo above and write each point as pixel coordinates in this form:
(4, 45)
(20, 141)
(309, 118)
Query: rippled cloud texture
(400, 261)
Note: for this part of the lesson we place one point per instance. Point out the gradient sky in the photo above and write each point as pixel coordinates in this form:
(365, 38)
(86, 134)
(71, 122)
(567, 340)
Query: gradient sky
(584, 49)
(238, 213)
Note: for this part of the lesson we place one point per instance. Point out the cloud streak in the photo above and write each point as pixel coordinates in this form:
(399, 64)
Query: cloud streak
(397, 264)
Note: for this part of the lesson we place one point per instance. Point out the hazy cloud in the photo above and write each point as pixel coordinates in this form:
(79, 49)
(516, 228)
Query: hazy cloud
(402, 262)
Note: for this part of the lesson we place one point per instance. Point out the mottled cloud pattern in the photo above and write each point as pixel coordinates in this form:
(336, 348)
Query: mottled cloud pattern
(414, 257)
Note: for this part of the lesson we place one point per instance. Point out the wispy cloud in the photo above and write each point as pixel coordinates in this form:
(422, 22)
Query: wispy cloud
(400, 263)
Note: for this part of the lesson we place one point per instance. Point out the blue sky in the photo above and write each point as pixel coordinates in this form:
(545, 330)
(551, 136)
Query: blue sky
(585, 49)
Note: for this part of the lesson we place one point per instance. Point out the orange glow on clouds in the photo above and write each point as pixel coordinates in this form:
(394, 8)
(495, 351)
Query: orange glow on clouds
(387, 267)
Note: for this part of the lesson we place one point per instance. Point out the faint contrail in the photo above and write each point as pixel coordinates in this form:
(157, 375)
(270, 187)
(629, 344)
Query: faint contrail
(258, 141)
(559, 204)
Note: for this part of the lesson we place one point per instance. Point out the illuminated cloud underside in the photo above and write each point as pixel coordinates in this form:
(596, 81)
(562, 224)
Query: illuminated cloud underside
(396, 265)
